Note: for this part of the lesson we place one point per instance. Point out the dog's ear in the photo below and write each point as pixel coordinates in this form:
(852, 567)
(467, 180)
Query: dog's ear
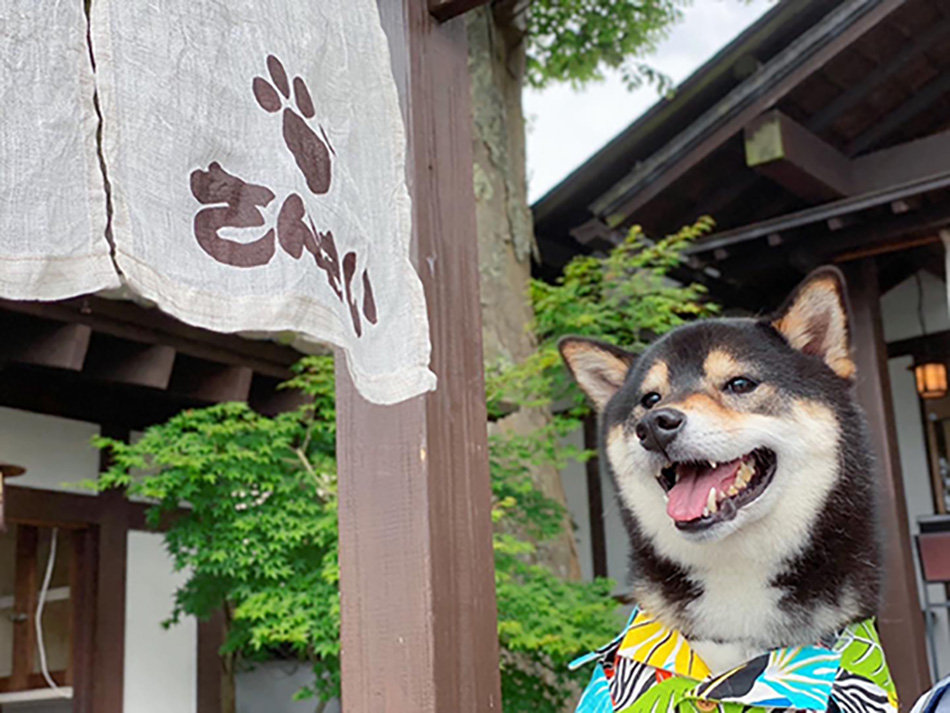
(598, 368)
(814, 320)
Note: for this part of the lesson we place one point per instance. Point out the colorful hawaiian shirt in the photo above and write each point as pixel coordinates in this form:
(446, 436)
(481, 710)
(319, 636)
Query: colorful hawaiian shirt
(651, 669)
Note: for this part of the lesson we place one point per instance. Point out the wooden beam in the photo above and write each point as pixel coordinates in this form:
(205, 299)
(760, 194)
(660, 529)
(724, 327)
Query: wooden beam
(786, 152)
(43, 342)
(209, 381)
(26, 585)
(129, 321)
(48, 508)
(444, 10)
(910, 161)
(120, 360)
(900, 620)
(419, 626)
(34, 680)
(935, 342)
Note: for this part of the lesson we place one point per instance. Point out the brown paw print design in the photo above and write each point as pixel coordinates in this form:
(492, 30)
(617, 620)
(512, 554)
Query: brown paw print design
(236, 203)
(311, 153)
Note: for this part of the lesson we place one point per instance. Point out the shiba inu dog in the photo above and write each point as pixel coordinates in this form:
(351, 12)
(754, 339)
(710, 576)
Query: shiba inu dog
(743, 468)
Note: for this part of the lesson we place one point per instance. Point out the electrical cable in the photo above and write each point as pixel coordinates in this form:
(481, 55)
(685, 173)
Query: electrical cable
(38, 619)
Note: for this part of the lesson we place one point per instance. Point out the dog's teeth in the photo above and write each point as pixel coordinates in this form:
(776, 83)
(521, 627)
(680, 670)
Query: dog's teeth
(712, 464)
(733, 490)
(705, 512)
(711, 504)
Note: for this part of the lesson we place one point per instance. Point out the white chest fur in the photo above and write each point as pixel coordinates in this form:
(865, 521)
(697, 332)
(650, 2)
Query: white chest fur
(736, 605)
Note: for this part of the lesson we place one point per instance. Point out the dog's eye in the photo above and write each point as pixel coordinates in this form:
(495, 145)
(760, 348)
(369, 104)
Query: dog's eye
(649, 400)
(740, 385)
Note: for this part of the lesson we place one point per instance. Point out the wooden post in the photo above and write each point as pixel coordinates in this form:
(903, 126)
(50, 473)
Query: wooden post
(108, 663)
(418, 602)
(214, 691)
(900, 620)
(595, 502)
(24, 606)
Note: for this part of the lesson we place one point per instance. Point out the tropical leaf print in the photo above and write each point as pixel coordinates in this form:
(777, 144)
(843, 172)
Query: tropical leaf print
(736, 683)
(650, 642)
(661, 698)
(796, 678)
(856, 694)
(861, 653)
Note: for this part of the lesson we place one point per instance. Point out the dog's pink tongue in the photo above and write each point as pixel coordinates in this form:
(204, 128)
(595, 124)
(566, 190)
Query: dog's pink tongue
(688, 498)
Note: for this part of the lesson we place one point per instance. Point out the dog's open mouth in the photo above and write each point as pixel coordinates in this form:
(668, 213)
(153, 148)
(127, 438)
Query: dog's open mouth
(701, 494)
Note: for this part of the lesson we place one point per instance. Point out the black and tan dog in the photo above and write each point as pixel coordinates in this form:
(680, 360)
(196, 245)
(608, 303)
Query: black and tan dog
(742, 464)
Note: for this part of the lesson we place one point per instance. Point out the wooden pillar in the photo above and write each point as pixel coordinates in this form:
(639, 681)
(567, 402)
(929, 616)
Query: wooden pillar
(595, 501)
(82, 583)
(108, 680)
(215, 685)
(24, 607)
(417, 578)
(900, 620)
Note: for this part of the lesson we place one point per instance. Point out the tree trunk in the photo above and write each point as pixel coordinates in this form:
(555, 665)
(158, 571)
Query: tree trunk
(505, 231)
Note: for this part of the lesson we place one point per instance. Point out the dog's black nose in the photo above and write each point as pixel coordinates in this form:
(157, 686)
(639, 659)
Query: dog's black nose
(657, 429)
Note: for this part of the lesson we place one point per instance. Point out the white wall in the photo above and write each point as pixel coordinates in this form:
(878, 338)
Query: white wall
(160, 664)
(899, 308)
(55, 451)
(270, 687)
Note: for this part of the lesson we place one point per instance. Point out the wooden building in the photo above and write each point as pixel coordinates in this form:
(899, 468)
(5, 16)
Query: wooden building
(71, 370)
(819, 135)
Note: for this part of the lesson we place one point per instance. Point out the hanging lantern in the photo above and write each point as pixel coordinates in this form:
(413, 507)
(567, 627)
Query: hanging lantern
(7, 470)
(931, 379)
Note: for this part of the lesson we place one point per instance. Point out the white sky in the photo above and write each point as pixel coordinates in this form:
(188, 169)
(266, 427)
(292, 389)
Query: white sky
(565, 127)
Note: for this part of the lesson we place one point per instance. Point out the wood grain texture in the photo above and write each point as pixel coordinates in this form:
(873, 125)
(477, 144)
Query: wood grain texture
(418, 601)
(24, 606)
(211, 672)
(109, 651)
(900, 619)
(82, 583)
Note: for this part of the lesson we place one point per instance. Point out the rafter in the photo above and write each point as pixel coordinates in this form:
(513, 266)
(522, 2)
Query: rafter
(857, 92)
(114, 359)
(209, 381)
(41, 342)
(920, 101)
(789, 154)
